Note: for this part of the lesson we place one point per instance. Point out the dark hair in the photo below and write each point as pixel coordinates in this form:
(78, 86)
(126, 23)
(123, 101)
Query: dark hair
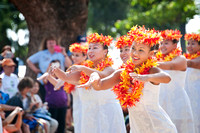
(105, 47)
(6, 47)
(175, 41)
(155, 47)
(199, 42)
(26, 82)
(55, 61)
(44, 42)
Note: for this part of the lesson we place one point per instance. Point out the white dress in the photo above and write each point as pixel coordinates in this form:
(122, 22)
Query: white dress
(76, 110)
(101, 112)
(192, 87)
(148, 116)
(175, 101)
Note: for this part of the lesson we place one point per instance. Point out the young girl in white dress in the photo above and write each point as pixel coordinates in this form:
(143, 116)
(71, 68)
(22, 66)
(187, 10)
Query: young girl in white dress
(192, 81)
(173, 97)
(137, 85)
(101, 112)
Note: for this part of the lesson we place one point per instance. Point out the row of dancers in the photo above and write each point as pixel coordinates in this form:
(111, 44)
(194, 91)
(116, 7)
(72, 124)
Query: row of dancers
(159, 89)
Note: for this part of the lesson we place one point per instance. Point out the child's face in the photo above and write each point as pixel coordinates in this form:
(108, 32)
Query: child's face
(2, 114)
(96, 52)
(125, 53)
(193, 47)
(167, 46)
(35, 88)
(78, 57)
(140, 53)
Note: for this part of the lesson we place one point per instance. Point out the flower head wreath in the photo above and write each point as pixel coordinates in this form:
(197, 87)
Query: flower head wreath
(77, 47)
(192, 36)
(123, 41)
(171, 34)
(143, 36)
(96, 38)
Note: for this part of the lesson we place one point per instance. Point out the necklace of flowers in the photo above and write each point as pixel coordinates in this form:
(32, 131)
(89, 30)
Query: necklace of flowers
(192, 56)
(163, 58)
(129, 90)
(107, 62)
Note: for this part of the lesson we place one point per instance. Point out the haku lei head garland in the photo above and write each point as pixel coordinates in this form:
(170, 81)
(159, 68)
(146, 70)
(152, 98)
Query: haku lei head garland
(192, 36)
(171, 34)
(142, 36)
(107, 62)
(170, 56)
(77, 47)
(96, 38)
(123, 41)
(129, 90)
(192, 56)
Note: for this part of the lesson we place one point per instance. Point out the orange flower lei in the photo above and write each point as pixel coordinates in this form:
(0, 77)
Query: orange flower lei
(192, 36)
(171, 34)
(96, 38)
(170, 56)
(100, 67)
(77, 47)
(192, 56)
(127, 97)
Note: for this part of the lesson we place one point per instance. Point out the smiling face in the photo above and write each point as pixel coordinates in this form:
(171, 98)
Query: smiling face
(167, 46)
(96, 52)
(78, 57)
(140, 53)
(125, 53)
(193, 46)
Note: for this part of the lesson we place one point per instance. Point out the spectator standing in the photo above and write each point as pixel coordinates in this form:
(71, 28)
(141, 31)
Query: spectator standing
(50, 51)
(9, 79)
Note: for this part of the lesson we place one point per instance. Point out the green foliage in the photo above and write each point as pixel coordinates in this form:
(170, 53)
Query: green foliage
(158, 14)
(104, 13)
(10, 19)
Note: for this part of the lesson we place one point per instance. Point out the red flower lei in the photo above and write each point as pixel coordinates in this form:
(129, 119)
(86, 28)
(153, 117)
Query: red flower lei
(100, 67)
(128, 97)
(192, 56)
(170, 56)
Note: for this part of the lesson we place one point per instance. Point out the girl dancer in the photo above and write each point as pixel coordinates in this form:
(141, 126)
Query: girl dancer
(138, 85)
(101, 112)
(193, 75)
(173, 97)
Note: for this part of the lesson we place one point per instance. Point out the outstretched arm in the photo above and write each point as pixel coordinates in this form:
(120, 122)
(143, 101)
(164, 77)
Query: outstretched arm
(156, 76)
(194, 63)
(107, 71)
(69, 77)
(178, 63)
(103, 84)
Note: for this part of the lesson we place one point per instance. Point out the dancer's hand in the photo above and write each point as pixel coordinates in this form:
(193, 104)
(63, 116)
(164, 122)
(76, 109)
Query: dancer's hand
(75, 68)
(143, 78)
(94, 81)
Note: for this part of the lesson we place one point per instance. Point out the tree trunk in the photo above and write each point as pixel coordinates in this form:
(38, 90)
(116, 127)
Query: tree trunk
(183, 31)
(65, 19)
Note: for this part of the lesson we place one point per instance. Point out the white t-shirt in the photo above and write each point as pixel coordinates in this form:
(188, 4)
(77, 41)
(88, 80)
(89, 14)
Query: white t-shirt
(9, 84)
